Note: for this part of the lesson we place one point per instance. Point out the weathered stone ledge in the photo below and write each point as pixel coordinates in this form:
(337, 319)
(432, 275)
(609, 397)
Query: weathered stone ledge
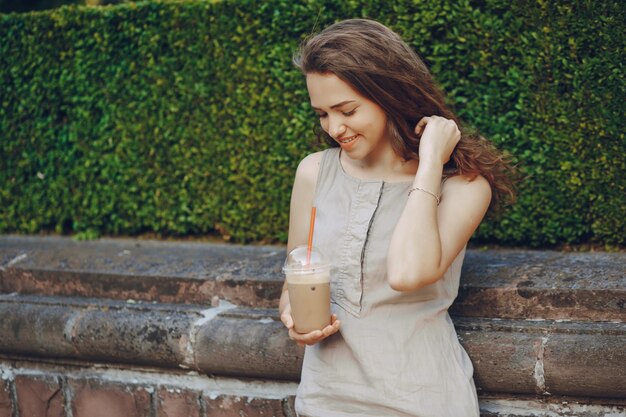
(538, 325)
(167, 272)
(510, 356)
(508, 284)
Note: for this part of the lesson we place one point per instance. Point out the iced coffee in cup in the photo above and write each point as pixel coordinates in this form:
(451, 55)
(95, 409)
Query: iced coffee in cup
(308, 282)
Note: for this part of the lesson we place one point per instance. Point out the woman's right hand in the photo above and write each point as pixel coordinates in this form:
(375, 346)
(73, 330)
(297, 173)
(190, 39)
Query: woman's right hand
(439, 137)
(313, 337)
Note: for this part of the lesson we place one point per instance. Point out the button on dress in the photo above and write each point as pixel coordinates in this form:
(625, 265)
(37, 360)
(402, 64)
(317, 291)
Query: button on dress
(397, 353)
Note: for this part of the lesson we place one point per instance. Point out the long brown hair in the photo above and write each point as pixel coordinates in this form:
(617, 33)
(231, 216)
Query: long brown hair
(377, 63)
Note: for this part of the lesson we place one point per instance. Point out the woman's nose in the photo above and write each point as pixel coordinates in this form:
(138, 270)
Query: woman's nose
(336, 128)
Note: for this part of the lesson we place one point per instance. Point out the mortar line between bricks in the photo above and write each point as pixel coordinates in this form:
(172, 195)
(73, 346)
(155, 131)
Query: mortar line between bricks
(59, 391)
(13, 393)
(154, 400)
(201, 402)
(271, 389)
(287, 410)
(69, 397)
(525, 407)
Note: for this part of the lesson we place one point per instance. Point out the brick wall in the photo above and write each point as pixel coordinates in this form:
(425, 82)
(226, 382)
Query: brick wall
(33, 390)
(36, 389)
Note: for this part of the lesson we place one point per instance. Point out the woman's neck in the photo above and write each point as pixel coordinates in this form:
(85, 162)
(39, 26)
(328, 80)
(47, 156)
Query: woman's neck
(385, 165)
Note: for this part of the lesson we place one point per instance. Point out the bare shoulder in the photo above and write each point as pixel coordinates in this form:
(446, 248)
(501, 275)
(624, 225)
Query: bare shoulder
(467, 187)
(309, 168)
(474, 181)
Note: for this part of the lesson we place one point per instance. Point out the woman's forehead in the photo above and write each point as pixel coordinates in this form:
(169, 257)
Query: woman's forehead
(328, 90)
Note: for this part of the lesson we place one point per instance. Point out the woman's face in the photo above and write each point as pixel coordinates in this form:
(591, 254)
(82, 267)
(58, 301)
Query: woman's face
(356, 123)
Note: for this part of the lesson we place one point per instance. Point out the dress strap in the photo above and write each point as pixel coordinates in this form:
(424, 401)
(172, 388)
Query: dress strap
(327, 172)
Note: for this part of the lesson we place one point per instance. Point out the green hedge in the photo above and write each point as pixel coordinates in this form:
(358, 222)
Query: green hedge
(188, 118)
(21, 6)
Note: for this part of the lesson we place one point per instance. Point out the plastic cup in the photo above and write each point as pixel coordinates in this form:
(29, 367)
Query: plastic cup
(308, 284)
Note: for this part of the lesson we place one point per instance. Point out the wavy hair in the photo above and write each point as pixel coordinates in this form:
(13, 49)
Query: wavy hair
(377, 63)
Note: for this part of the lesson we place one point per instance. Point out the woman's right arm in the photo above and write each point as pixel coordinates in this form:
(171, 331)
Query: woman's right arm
(302, 197)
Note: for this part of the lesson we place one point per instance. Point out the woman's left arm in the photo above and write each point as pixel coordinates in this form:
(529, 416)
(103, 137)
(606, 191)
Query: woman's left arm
(428, 236)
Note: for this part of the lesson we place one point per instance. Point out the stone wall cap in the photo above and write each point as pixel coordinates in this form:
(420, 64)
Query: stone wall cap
(150, 258)
(507, 283)
(204, 260)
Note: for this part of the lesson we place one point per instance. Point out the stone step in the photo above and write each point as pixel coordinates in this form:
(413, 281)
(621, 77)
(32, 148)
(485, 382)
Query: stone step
(166, 272)
(80, 391)
(508, 284)
(519, 357)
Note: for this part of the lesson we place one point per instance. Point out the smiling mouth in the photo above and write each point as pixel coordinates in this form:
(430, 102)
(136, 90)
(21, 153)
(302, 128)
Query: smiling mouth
(347, 140)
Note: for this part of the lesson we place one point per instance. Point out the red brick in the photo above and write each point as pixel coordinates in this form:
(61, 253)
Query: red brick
(94, 398)
(174, 402)
(6, 405)
(39, 396)
(231, 405)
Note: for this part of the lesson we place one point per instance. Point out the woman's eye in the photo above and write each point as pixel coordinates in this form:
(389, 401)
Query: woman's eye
(321, 115)
(349, 113)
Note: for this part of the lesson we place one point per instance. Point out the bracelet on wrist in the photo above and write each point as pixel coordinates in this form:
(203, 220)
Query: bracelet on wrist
(437, 197)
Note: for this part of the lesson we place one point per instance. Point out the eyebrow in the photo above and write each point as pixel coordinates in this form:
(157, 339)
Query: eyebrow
(336, 105)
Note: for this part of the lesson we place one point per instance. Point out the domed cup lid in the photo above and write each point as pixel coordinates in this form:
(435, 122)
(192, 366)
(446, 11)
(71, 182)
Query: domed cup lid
(300, 262)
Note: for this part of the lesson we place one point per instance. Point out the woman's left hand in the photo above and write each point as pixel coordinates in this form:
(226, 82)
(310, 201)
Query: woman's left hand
(439, 138)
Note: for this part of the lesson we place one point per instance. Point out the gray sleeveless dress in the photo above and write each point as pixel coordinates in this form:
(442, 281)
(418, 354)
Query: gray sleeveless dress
(397, 353)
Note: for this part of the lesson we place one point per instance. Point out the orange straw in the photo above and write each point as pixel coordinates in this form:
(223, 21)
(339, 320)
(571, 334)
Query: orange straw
(310, 243)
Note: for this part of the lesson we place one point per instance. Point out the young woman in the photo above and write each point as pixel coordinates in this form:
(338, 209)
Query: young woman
(398, 195)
